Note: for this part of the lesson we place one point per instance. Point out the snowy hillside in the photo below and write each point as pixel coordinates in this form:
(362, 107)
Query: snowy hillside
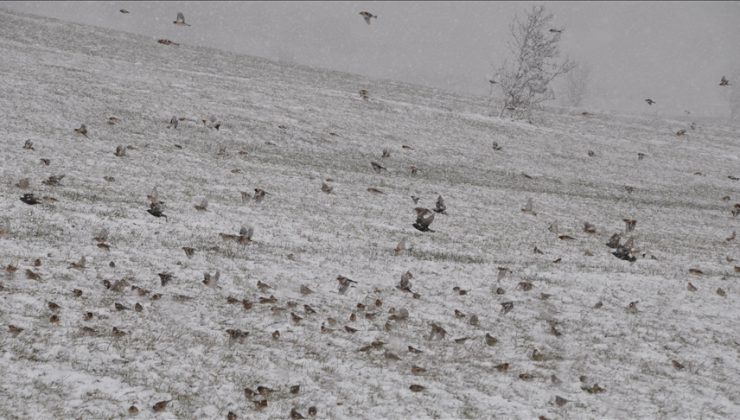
(569, 347)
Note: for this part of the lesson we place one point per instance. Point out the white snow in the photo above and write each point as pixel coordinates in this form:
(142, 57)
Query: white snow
(58, 75)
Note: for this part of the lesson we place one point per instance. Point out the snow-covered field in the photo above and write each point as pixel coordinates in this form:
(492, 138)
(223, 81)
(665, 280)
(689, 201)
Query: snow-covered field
(286, 129)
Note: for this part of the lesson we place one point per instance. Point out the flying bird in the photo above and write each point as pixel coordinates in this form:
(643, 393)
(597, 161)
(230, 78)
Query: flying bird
(424, 218)
(367, 16)
(649, 101)
(724, 82)
(344, 283)
(557, 31)
(180, 21)
(124, 11)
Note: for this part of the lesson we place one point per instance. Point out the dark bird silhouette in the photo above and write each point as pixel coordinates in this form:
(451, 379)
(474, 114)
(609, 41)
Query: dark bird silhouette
(30, 199)
(367, 16)
(378, 167)
(724, 82)
(440, 206)
(155, 209)
(82, 130)
(557, 31)
(649, 101)
(124, 11)
(424, 218)
(180, 21)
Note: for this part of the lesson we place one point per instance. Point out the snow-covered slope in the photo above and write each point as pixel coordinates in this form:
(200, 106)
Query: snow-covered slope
(286, 129)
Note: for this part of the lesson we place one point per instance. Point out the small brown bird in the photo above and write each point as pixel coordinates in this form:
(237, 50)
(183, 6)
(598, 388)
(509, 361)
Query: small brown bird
(305, 290)
(506, 307)
(82, 130)
(681, 132)
(46, 162)
(259, 194)
(121, 307)
(165, 277)
(189, 252)
(721, 292)
(695, 271)
(614, 241)
(138, 307)
(491, 340)
(180, 20)
(203, 206)
(295, 415)
(724, 81)
(120, 151)
(566, 238)
(260, 405)
(53, 180)
(589, 228)
(378, 167)
(350, 329)
(295, 389)
(400, 247)
(528, 208)
(405, 283)
(367, 16)
(15, 330)
(416, 370)
(525, 285)
(312, 411)
(295, 318)
(160, 406)
(629, 225)
(690, 287)
(344, 284)
(364, 94)
(211, 280)
(414, 350)
(437, 332)
(502, 367)
(25, 183)
(31, 275)
(133, 410)
(326, 188)
(595, 389)
(440, 206)
(28, 145)
(632, 307)
(416, 388)
(118, 333)
(231, 416)
(676, 364)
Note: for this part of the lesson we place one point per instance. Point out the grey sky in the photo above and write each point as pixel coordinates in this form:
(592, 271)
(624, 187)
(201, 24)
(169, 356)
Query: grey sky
(673, 52)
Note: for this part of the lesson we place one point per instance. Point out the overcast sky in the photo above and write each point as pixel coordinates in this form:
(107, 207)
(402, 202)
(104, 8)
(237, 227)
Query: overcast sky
(672, 52)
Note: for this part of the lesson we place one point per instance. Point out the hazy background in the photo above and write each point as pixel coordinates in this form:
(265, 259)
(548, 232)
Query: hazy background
(672, 52)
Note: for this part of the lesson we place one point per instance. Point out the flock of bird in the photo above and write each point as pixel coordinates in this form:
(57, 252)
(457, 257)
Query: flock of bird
(424, 218)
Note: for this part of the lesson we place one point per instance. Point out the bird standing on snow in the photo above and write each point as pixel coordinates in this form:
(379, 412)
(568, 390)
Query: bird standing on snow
(424, 218)
(368, 16)
(440, 207)
(180, 21)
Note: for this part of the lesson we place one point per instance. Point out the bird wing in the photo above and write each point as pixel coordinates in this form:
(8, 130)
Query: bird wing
(180, 17)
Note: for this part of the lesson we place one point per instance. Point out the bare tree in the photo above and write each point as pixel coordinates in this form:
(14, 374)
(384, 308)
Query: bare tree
(526, 82)
(576, 84)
